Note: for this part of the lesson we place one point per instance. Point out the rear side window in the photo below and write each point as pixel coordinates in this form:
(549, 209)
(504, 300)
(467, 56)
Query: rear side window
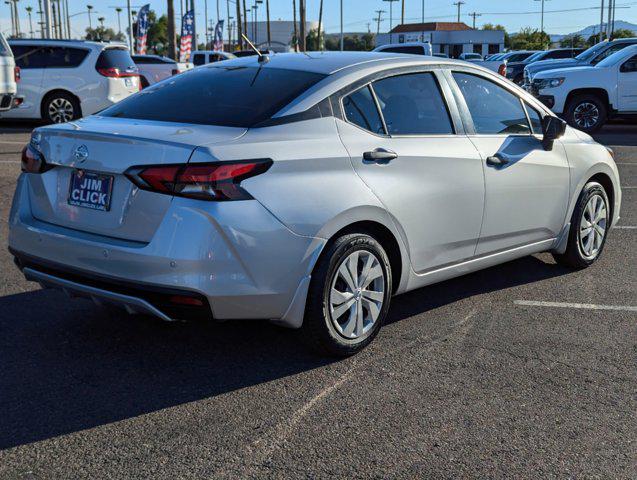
(216, 95)
(360, 109)
(198, 59)
(413, 105)
(115, 58)
(63, 57)
(414, 50)
(30, 56)
(609, 51)
(494, 109)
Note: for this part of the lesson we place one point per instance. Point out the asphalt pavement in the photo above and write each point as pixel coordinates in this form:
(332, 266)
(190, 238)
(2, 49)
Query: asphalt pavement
(518, 371)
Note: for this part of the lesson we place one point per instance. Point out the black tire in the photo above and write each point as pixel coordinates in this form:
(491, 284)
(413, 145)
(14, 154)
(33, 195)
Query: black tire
(597, 113)
(575, 256)
(319, 330)
(144, 83)
(60, 101)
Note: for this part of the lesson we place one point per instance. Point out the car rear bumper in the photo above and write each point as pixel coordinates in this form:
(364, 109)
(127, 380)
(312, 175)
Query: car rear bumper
(235, 255)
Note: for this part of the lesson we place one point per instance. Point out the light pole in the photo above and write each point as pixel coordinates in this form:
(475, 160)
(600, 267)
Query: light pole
(342, 38)
(391, 19)
(130, 26)
(459, 4)
(10, 3)
(601, 22)
(423, 11)
(17, 19)
(541, 15)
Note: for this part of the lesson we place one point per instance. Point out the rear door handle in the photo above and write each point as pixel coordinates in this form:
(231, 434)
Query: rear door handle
(380, 155)
(497, 160)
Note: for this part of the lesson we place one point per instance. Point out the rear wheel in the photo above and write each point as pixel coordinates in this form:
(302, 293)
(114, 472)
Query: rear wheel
(60, 107)
(587, 113)
(589, 227)
(349, 296)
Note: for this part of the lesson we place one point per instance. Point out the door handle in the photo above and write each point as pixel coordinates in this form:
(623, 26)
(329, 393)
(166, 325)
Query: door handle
(497, 160)
(380, 155)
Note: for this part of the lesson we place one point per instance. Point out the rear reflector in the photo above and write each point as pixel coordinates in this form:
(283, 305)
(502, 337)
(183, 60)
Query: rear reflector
(219, 181)
(33, 161)
(502, 70)
(17, 75)
(184, 300)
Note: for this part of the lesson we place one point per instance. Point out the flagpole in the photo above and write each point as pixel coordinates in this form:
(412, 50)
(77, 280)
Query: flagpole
(130, 27)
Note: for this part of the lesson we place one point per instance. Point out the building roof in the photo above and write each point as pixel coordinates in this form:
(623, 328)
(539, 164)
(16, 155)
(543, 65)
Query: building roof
(431, 27)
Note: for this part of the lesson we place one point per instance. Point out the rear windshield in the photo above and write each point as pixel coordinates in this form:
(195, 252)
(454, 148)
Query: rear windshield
(217, 95)
(115, 58)
(414, 50)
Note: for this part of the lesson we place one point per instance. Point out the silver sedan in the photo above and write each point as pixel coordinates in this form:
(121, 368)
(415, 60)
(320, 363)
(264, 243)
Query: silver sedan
(307, 190)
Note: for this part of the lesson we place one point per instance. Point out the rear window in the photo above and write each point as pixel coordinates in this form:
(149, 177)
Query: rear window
(115, 58)
(215, 95)
(199, 59)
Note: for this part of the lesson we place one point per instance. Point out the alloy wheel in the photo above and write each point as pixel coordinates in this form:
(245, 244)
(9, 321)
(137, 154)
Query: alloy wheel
(586, 115)
(357, 294)
(61, 110)
(593, 226)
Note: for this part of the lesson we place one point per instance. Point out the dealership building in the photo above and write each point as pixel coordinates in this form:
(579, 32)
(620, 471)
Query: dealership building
(452, 38)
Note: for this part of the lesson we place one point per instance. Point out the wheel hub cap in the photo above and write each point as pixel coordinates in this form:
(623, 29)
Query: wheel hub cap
(593, 226)
(357, 294)
(61, 110)
(586, 115)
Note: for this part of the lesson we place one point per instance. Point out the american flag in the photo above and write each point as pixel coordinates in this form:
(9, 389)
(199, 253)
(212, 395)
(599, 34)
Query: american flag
(218, 41)
(142, 29)
(187, 29)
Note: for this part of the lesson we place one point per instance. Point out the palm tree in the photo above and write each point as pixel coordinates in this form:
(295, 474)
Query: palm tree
(170, 9)
(29, 10)
(101, 20)
(239, 26)
(267, 12)
(296, 32)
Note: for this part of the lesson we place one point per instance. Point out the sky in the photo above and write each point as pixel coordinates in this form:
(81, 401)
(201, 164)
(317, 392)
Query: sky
(561, 16)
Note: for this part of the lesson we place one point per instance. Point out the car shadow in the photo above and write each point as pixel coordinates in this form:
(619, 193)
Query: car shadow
(69, 366)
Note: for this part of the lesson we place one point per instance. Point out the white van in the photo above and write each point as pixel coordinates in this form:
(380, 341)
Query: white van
(9, 75)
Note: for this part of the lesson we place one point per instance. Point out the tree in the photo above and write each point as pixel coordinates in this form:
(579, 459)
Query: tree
(623, 33)
(171, 29)
(157, 40)
(351, 42)
(573, 41)
(104, 34)
(529, 39)
(312, 40)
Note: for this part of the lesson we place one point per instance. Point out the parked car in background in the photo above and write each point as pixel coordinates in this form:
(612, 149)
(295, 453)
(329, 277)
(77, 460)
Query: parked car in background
(9, 75)
(62, 80)
(515, 70)
(587, 96)
(154, 68)
(413, 48)
(420, 48)
(470, 56)
(300, 201)
(516, 56)
(202, 57)
(591, 56)
(440, 55)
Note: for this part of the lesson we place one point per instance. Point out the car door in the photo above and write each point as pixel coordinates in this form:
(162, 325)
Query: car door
(61, 68)
(406, 143)
(627, 85)
(527, 187)
(31, 60)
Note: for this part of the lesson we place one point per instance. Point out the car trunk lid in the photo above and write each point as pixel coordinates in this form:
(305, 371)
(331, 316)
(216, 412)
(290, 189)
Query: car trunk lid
(98, 150)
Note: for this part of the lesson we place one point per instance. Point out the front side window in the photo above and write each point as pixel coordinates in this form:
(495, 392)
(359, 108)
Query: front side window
(536, 119)
(609, 51)
(360, 109)
(494, 109)
(630, 65)
(215, 95)
(413, 105)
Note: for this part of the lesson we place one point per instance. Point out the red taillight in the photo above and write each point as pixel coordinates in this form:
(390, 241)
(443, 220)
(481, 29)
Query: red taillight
(115, 73)
(209, 181)
(502, 69)
(16, 74)
(184, 300)
(32, 161)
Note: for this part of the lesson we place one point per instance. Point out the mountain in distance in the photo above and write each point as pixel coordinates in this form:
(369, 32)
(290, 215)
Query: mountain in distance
(593, 29)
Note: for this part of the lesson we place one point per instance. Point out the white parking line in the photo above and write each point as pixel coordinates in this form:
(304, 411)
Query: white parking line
(625, 163)
(627, 187)
(625, 227)
(10, 161)
(12, 142)
(585, 306)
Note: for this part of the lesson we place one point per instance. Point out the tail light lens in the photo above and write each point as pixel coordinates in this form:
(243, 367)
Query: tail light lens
(17, 75)
(33, 161)
(502, 69)
(116, 73)
(219, 181)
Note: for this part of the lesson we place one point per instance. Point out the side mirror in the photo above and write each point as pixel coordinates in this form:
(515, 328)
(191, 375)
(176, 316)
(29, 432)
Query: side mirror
(552, 129)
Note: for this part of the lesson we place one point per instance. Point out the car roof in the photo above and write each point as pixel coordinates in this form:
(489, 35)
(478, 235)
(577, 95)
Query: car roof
(327, 63)
(77, 43)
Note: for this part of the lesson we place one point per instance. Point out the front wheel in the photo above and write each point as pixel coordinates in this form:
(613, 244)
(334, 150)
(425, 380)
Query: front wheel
(587, 113)
(349, 296)
(589, 228)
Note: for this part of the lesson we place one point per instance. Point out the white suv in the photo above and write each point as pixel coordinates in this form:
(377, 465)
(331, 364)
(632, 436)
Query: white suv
(9, 75)
(62, 80)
